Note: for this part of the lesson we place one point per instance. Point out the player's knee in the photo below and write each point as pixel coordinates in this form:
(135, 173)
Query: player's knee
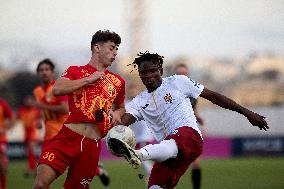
(155, 187)
(45, 175)
(39, 185)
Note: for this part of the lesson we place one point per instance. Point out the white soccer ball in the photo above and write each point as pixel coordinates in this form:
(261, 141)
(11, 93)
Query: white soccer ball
(123, 133)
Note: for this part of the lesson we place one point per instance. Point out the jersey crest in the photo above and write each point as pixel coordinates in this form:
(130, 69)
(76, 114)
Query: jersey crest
(168, 98)
(110, 89)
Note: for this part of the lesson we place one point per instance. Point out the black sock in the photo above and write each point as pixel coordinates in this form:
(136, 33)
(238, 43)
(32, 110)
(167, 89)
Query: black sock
(196, 178)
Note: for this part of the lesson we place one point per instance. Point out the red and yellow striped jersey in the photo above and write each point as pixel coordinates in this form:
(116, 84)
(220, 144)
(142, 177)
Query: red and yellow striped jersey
(53, 120)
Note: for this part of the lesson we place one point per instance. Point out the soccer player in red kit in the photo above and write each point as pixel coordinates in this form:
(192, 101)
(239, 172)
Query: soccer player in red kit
(94, 94)
(30, 118)
(6, 122)
(54, 108)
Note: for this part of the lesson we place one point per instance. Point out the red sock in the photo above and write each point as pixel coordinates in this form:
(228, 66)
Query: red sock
(3, 179)
(31, 160)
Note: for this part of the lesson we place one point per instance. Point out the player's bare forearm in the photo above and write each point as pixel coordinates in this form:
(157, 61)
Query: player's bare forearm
(60, 108)
(127, 119)
(120, 109)
(222, 101)
(227, 103)
(64, 86)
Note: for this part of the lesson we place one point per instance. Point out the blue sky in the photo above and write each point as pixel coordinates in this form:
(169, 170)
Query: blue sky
(63, 28)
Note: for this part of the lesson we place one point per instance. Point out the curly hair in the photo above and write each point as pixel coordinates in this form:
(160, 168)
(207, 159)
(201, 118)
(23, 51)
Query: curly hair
(104, 36)
(147, 56)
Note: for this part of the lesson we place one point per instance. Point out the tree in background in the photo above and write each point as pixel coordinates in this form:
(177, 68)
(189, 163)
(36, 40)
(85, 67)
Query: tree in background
(17, 87)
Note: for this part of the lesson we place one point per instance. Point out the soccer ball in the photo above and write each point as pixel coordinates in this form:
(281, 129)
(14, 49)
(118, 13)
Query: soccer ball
(123, 133)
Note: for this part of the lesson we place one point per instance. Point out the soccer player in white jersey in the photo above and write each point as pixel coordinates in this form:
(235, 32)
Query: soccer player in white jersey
(165, 107)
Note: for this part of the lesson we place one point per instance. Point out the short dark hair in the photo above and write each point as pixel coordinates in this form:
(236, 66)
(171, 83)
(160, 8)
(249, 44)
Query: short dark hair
(147, 56)
(180, 65)
(104, 36)
(46, 61)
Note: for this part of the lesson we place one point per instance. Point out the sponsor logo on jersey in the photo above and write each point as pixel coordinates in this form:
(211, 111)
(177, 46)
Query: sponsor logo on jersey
(195, 83)
(173, 132)
(144, 107)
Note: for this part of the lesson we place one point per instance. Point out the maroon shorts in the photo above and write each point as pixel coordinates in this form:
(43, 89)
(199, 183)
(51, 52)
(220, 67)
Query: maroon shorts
(81, 154)
(167, 173)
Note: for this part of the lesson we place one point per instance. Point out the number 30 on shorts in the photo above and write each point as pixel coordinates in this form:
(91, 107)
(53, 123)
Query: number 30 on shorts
(49, 156)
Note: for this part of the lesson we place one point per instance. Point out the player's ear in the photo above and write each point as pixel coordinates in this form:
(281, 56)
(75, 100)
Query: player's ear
(96, 47)
(161, 71)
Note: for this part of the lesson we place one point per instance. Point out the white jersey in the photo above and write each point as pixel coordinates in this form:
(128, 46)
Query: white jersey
(142, 132)
(168, 107)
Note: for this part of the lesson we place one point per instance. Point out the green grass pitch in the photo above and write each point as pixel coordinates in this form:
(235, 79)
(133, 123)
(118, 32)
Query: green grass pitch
(235, 173)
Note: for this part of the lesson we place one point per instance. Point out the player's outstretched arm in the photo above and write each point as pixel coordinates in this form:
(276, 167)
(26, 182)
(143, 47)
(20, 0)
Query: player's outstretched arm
(227, 103)
(64, 86)
(59, 108)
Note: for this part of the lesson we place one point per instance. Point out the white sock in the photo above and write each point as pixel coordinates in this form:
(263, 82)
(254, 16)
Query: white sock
(159, 152)
(147, 167)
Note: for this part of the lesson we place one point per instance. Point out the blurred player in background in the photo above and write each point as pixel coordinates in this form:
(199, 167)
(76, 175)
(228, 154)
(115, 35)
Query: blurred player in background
(30, 118)
(54, 108)
(182, 69)
(7, 121)
(94, 93)
(165, 107)
(142, 133)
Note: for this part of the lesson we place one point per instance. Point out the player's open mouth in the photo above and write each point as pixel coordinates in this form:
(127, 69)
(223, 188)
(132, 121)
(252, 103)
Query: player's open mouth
(149, 82)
